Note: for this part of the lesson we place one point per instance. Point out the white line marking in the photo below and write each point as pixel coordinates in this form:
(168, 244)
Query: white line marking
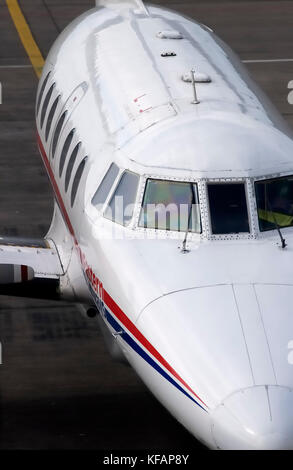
(263, 61)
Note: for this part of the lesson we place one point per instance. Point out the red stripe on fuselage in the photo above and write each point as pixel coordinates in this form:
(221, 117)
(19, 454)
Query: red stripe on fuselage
(111, 304)
(55, 187)
(142, 339)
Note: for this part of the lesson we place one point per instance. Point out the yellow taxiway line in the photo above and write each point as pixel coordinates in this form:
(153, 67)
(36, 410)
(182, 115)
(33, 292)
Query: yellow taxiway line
(26, 36)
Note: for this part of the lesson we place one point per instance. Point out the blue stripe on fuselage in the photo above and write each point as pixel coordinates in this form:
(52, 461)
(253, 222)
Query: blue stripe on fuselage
(130, 341)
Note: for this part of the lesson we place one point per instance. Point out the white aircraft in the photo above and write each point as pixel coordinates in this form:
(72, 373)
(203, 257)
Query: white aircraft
(191, 270)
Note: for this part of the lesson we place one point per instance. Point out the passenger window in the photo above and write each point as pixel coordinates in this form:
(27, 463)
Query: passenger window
(228, 208)
(103, 190)
(121, 206)
(77, 179)
(57, 133)
(42, 92)
(64, 151)
(45, 104)
(51, 116)
(170, 205)
(71, 165)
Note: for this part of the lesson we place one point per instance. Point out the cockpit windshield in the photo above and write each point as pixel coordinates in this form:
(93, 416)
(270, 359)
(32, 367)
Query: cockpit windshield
(228, 208)
(170, 205)
(274, 199)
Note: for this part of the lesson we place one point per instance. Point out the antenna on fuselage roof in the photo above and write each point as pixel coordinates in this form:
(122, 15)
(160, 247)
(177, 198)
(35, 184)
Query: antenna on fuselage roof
(123, 5)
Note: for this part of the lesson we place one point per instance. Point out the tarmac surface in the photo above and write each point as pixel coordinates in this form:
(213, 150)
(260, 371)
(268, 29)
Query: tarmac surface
(59, 388)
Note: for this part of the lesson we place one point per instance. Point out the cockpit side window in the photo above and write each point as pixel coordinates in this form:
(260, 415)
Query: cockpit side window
(122, 203)
(103, 190)
(228, 208)
(274, 198)
(170, 205)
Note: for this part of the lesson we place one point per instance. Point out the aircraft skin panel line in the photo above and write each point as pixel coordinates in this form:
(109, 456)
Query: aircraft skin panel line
(128, 339)
(138, 335)
(44, 261)
(139, 350)
(203, 311)
(108, 299)
(111, 304)
(120, 119)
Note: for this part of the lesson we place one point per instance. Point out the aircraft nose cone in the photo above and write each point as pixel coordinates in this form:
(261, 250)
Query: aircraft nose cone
(259, 418)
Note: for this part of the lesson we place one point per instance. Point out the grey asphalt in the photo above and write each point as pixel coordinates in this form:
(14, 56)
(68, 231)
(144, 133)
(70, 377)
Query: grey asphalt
(59, 389)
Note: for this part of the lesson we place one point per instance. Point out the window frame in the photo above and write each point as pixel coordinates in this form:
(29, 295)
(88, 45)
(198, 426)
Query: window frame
(247, 199)
(193, 183)
(201, 182)
(159, 233)
(115, 185)
(204, 208)
(251, 209)
(269, 177)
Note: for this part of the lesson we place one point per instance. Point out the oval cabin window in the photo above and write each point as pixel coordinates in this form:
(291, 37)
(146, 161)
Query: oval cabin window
(42, 92)
(77, 179)
(57, 132)
(71, 165)
(64, 151)
(45, 104)
(51, 116)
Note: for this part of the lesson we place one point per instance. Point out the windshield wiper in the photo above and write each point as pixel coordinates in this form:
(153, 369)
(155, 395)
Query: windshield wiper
(283, 241)
(184, 249)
